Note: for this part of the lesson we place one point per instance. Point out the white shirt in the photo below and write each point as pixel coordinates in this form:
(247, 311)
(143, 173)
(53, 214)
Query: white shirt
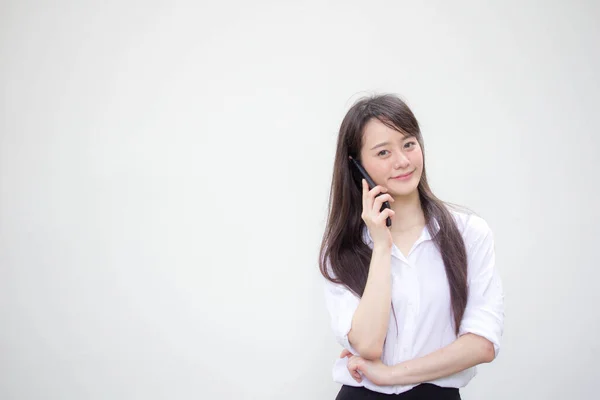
(421, 299)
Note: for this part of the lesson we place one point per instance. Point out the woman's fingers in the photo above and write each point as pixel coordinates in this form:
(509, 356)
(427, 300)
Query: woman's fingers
(345, 353)
(372, 217)
(369, 197)
(365, 191)
(388, 212)
(353, 368)
(370, 194)
(378, 202)
(374, 192)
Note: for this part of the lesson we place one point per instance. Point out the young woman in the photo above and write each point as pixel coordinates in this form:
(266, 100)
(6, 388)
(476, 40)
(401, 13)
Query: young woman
(415, 305)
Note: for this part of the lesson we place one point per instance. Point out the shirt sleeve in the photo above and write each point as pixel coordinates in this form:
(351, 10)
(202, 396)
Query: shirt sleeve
(341, 304)
(484, 314)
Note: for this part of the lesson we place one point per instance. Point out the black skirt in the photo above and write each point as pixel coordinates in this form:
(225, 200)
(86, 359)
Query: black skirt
(424, 391)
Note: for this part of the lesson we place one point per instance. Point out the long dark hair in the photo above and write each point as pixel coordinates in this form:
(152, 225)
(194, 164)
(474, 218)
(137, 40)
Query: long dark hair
(342, 246)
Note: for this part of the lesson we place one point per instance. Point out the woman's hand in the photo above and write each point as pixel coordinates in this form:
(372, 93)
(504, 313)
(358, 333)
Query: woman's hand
(376, 371)
(372, 201)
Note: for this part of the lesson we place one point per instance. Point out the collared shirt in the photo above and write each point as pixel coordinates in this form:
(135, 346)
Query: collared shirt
(421, 300)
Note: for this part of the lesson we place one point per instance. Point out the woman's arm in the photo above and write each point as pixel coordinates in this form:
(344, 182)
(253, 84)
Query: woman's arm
(465, 352)
(371, 318)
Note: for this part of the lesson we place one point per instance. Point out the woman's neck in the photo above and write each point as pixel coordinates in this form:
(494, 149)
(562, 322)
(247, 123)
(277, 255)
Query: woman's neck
(409, 213)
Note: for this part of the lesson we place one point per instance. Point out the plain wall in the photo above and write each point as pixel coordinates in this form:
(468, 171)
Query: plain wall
(165, 172)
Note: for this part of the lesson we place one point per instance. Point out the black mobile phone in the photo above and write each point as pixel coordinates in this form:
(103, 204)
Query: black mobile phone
(371, 183)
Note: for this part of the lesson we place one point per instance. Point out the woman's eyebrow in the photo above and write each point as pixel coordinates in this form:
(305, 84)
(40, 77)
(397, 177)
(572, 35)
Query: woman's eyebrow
(386, 143)
(380, 145)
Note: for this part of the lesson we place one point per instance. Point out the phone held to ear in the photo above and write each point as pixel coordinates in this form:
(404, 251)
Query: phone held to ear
(371, 183)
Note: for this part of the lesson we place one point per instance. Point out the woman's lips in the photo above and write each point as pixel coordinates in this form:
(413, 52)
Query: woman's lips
(404, 177)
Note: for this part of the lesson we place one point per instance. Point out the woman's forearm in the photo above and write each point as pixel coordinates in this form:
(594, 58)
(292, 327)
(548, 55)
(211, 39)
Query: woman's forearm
(465, 352)
(371, 318)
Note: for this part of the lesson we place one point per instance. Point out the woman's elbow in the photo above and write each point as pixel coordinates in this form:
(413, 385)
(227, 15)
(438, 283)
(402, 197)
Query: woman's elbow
(370, 352)
(488, 351)
(369, 347)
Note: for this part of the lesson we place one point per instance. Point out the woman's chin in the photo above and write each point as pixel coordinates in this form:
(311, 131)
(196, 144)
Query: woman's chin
(399, 191)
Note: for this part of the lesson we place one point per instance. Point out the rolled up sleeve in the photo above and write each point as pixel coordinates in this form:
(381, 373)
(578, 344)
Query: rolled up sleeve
(341, 304)
(484, 314)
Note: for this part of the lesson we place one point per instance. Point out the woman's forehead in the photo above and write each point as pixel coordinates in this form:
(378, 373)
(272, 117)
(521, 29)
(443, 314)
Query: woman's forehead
(376, 131)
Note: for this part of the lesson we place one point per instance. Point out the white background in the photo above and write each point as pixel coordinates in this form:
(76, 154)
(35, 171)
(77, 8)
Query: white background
(165, 171)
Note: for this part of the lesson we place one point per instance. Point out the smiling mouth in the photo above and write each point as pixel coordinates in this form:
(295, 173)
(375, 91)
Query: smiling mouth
(403, 176)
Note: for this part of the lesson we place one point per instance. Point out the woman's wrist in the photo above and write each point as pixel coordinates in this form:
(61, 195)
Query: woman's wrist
(382, 247)
(395, 374)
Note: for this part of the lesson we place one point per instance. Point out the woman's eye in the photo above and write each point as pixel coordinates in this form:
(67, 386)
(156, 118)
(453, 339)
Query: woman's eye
(409, 145)
(381, 152)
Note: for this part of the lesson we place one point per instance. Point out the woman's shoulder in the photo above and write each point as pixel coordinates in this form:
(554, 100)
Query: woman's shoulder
(471, 225)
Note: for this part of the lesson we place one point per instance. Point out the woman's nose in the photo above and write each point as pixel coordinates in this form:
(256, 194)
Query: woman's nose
(402, 161)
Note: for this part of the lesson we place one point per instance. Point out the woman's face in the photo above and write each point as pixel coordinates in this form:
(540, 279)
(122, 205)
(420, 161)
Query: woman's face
(393, 160)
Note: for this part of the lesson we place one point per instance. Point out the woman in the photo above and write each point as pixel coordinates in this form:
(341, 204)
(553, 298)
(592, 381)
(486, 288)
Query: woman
(418, 304)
